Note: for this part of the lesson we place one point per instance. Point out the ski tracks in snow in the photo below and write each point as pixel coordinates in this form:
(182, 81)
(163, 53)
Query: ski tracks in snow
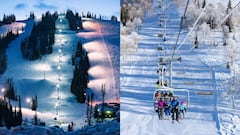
(230, 124)
(199, 117)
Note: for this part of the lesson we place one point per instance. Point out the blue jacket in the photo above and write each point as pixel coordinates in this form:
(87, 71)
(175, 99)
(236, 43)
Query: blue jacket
(174, 103)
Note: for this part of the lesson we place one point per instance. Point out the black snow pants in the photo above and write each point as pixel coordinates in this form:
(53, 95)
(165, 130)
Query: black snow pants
(175, 114)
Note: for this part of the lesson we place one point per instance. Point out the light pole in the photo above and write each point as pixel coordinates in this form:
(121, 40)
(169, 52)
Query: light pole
(103, 95)
(57, 109)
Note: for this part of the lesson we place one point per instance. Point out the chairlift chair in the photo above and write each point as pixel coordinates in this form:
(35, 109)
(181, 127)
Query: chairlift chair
(180, 93)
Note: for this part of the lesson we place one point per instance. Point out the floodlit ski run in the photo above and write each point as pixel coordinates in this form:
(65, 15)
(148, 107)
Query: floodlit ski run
(43, 77)
(207, 114)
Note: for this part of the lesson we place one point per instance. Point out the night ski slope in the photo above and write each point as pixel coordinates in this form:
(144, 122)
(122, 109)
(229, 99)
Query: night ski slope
(194, 73)
(44, 76)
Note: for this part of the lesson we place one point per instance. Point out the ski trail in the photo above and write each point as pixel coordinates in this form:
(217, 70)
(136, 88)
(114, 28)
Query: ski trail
(139, 78)
(236, 123)
(215, 95)
(113, 83)
(101, 70)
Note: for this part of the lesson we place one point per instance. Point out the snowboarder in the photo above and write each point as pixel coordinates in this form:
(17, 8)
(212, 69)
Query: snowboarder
(160, 108)
(175, 109)
(156, 99)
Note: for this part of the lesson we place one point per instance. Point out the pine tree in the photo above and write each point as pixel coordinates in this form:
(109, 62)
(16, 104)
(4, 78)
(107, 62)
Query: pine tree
(19, 114)
(196, 42)
(9, 117)
(204, 4)
(229, 7)
(229, 23)
(1, 112)
(14, 122)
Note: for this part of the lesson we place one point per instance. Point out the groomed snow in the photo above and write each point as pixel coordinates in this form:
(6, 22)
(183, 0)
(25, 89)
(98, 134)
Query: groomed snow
(43, 77)
(201, 70)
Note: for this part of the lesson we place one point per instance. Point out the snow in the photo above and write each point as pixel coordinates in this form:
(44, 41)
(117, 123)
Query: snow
(50, 77)
(14, 27)
(101, 52)
(201, 70)
(109, 127)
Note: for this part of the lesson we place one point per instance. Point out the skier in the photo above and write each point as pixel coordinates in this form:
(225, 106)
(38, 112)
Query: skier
(156, 99)
(175, 109)
(160, 108)
(182, 108)
(167, 108)
(157, 95)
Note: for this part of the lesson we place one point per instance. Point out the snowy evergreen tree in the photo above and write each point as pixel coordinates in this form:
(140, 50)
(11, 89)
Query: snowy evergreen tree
(204, 34)
(204, 4)
(231, 86)
(232, 51)
(32, 16)
(41, 39)
(231, 89)
(229, 7)
(75, 21)
(132, 14)
(80, 77)
(196, 42)
(229, 22)
(197, 3)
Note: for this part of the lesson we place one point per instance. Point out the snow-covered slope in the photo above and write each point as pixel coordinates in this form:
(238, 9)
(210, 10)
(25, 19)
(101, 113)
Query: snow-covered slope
(50, 76)
(14, 27)
(105, 128)
(201, 70)
(103, 53)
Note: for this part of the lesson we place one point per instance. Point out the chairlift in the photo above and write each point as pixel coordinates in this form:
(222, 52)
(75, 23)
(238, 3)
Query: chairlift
(182, 94)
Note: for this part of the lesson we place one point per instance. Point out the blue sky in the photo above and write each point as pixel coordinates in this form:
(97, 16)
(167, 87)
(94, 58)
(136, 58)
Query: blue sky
(22, 8)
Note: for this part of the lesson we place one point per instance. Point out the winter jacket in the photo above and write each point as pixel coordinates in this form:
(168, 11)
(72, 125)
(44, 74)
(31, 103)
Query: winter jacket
(166, 104)
(174, 103)
(182, 106)
(160, 104)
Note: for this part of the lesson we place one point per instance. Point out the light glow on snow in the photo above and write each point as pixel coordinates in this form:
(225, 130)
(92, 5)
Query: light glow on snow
(202, 70)
(90, 25)
(99, 71)
(51, 76)
(97, 56)
(15, 27)
(94, 46)
(42, 67)
(93, 28)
